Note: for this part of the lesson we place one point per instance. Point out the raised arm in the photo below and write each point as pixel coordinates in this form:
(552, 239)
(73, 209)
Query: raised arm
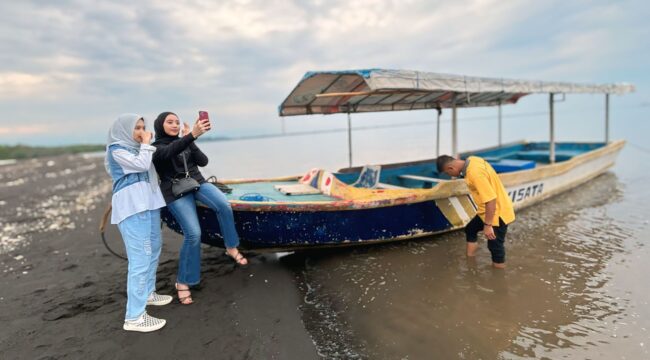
(169, 151)
(166, 152)
(198, 156)
(132, 163)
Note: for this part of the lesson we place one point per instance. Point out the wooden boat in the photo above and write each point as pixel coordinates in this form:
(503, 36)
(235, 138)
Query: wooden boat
(392, 202)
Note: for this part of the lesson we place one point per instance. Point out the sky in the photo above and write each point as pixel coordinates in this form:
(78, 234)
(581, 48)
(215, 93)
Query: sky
(69, 68)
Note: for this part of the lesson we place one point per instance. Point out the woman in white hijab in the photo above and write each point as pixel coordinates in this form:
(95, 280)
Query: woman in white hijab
(136, 211)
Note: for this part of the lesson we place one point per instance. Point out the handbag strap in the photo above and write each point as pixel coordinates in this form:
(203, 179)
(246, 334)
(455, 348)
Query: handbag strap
(187, 172)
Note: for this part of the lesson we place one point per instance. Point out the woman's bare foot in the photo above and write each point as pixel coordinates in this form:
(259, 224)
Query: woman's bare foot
(236, 256)
(183, 289)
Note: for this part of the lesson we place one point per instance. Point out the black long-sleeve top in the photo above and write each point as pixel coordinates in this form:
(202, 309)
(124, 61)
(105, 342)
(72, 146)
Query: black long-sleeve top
(168, 160)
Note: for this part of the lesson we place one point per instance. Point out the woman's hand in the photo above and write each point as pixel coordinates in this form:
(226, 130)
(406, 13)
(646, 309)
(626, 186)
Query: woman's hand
(185, 130)
(200, 128)
(146, 137)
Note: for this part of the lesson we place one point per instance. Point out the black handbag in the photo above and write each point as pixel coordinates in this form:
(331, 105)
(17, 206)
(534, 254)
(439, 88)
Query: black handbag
(186, 184)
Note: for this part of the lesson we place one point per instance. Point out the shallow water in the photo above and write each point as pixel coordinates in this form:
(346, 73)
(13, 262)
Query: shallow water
(560, 295)
(575, 286)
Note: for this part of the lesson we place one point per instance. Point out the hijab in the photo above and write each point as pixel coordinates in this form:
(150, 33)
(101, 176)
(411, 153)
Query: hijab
(161, 136)
(121, 133)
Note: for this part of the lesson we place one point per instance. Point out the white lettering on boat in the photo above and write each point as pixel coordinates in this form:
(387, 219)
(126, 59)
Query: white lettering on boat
(520, 194)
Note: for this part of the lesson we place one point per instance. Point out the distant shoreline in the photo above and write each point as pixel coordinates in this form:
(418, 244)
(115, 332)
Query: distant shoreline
(17, 152)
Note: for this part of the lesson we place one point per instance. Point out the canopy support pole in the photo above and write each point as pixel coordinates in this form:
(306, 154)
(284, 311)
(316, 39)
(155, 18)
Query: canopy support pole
(606, 118)
(438, 132)
(454, 129)
(551, 144)
(349, 140)
(500, 138)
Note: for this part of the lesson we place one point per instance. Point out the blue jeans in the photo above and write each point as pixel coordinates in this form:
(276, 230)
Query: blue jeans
(184, 211)
(141, 235)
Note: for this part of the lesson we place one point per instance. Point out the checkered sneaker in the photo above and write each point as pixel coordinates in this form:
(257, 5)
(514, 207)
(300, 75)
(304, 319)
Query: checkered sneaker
(159, 300)
(144, 323)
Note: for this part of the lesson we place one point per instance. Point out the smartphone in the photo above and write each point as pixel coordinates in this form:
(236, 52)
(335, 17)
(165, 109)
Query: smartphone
(203, 116)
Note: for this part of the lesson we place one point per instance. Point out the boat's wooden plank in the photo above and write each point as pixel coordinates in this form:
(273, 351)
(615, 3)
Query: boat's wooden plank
(421, 178)
(297, 189)
(389, 186)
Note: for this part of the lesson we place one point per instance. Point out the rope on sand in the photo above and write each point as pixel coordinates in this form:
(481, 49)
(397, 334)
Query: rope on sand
(102, 228)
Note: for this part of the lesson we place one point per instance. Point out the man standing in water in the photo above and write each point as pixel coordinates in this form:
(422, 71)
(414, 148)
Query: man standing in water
(494, 211)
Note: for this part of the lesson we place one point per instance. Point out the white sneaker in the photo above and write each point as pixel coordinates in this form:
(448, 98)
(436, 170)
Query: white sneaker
(144, 323)
(159, 300)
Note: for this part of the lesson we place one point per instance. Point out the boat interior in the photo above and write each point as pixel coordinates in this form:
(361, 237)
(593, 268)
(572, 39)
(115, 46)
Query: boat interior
(270, 191)
(410, 175)
(508, 158)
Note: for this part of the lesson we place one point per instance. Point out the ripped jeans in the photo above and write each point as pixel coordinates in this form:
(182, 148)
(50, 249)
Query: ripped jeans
(141, 235)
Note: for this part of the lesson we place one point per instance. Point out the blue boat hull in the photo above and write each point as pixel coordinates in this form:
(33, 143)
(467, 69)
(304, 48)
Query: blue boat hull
(287, 230)
(363, 216)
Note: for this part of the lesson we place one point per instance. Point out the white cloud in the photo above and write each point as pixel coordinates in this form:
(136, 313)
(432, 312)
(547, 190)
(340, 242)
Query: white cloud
(86, 62)
(203, 21)
(62, 61)
(46, 86)
(25, 130)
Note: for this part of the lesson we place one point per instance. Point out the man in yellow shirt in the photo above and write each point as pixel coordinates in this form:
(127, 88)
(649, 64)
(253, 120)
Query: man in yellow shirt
(494, 211)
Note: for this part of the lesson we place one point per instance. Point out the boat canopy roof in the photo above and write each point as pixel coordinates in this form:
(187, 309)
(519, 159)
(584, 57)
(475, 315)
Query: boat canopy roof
(370, 90)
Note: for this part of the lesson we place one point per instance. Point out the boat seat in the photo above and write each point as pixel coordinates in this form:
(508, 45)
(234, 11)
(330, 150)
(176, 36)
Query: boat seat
(542, 155)
(509, 165)
(368, 177)
(389, 186)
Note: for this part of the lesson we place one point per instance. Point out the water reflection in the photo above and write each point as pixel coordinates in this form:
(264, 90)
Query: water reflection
(425, 299)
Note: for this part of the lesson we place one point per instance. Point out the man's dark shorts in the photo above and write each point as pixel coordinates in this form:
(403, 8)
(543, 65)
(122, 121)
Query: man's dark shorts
(496, 246)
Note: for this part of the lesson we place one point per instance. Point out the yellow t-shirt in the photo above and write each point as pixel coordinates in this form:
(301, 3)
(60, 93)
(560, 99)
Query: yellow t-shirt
(484, 185)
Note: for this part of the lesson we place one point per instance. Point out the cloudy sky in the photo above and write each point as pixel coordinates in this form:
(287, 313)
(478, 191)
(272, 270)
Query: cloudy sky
(68, 68)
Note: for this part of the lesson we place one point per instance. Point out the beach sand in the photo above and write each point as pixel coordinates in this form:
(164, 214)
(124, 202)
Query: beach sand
(63, 295)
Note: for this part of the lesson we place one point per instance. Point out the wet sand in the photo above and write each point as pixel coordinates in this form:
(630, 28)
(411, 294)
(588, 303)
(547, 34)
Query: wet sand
(63, 295)
(575, 287)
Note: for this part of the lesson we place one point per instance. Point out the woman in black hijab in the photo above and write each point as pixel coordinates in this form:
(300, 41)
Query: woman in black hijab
(168, 159)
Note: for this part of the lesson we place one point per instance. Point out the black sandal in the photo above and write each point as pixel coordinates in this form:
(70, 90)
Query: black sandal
(183, 300)
(238, 258)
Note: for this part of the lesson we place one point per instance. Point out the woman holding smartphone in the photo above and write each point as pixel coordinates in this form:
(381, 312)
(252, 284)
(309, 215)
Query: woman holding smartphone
(173, 154)
(136, 205)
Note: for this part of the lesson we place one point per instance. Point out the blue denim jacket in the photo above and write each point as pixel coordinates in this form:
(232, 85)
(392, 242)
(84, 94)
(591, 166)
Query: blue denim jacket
(121, 180)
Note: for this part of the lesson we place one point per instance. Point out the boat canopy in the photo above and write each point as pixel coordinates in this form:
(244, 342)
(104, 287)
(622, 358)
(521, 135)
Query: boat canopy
(371, 90)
